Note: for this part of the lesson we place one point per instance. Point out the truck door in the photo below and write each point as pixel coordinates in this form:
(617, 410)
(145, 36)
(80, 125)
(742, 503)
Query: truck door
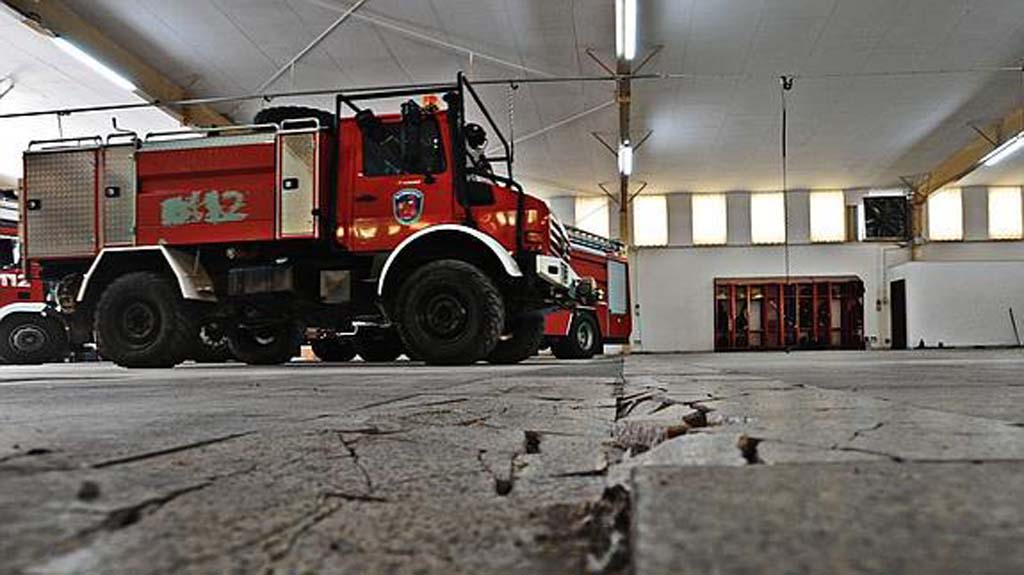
(389, 201)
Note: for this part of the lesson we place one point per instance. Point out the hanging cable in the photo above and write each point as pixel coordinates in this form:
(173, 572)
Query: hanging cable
(512, 87)
(786, 84)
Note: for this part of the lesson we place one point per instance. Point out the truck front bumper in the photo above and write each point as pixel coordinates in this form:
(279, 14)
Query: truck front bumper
(557, 272)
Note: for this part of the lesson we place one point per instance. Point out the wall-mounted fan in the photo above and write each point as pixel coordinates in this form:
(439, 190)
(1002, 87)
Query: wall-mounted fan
(886, 218)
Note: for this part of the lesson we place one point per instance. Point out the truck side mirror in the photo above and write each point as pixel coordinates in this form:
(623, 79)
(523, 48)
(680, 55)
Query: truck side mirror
(479, 194)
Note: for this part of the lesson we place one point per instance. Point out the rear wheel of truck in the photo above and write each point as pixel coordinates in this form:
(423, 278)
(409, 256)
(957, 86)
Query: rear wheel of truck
(377, 345)
(30, 339)
(583, 340)
(334, 349)
(272, 344)
(449, 313)
(142, 321)
(522, 343)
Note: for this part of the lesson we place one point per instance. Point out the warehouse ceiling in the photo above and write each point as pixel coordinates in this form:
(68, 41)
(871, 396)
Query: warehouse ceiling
(852, 124)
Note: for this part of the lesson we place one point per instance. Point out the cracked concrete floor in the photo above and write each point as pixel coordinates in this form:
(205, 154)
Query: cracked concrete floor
(802, 463)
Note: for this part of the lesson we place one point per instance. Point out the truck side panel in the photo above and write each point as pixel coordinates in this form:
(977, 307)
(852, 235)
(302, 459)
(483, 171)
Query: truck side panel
(206, 195)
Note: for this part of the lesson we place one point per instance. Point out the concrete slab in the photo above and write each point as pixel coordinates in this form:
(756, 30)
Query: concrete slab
(934, 519)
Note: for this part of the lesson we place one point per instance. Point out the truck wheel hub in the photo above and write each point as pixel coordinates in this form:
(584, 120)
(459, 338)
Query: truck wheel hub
(445, 316)
(28, 339)
(140, 322)
(585, 336)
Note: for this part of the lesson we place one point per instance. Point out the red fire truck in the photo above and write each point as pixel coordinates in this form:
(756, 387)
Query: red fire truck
(30, 332)
(377, 226)
(582, 331)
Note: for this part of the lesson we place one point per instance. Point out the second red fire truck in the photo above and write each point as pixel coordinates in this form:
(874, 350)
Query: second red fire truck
(382, 227)
(583, 330)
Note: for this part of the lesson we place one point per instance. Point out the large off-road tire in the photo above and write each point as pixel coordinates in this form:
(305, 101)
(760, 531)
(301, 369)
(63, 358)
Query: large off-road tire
(279, 114)
(268, 345)
(449, 313)
(583, 340)
(376, 345)
(142, 321)
(334, 349)
(29, 339)
(211, 345)
(522, 343)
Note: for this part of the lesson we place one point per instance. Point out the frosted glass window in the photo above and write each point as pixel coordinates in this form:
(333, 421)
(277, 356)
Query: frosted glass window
(710, 227)
(1004, 214)
(946, 216)
(650, 221)
(592, 215)
(767, 218)
(828, 216)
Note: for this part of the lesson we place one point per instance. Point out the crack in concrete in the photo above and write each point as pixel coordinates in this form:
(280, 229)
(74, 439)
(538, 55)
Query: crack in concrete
(169, 450)
(128, 515)
(859, 432)
(350, 446)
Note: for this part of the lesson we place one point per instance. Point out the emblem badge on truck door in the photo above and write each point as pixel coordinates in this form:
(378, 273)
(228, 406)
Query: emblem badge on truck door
(408, 206)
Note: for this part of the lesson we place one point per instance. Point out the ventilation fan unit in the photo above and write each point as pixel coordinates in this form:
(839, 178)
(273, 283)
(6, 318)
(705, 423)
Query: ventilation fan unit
(886, 218)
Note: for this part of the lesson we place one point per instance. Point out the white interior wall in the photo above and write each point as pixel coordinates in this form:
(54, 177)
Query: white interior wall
(962, 303)
(674, 287)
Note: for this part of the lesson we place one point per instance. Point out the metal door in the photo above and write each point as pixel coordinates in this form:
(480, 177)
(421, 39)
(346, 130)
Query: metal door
(298, 184)
(60, 203)
(118, 197)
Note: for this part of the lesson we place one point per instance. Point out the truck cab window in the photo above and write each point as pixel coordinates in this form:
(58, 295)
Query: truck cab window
(8, 252)
(385, 159)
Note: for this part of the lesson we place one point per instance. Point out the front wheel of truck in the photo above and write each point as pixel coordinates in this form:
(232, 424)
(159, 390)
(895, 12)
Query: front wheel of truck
(450, 313)
(142, 321)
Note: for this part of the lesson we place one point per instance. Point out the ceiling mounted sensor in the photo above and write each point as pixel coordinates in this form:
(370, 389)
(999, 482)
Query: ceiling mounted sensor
(1004, 150)
(625, 29)
(886, 218)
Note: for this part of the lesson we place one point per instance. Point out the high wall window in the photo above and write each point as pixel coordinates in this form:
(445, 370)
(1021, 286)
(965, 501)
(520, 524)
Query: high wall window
(1004, 214)
(650, 221)
(592, 215)
(710, 222)
(828, 216)
(946, 215)
(767, 218)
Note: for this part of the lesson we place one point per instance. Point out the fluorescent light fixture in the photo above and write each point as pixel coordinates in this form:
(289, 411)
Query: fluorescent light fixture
(1004, 150)
(97, 66)
(626, 159)
(625, 29)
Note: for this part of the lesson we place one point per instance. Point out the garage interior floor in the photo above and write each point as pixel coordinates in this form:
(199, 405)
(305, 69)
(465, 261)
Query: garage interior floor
(817, 462)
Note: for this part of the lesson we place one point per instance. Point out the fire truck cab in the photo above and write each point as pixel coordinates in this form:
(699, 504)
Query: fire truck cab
(306, 221)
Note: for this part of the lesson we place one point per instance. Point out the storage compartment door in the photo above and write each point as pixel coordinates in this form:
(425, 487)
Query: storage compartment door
(60, 203)
(298, 184)
(118, 197)
(618, 302)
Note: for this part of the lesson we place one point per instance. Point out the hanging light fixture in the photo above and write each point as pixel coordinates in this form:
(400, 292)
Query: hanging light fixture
(626, 158)
(625, 29)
